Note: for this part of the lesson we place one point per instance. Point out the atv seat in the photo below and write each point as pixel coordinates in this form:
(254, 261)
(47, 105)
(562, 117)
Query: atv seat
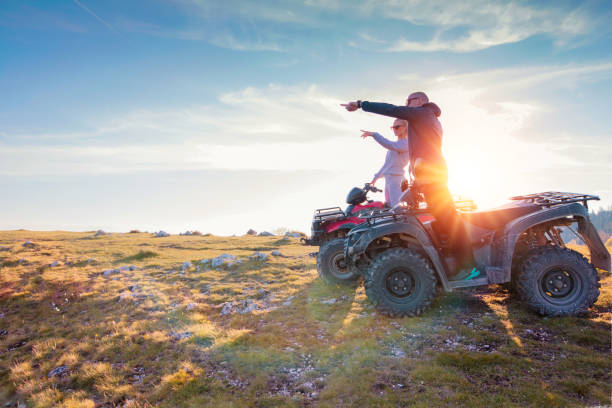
(500, 216)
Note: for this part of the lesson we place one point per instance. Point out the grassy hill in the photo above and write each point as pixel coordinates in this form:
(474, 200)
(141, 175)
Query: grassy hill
(121, 320)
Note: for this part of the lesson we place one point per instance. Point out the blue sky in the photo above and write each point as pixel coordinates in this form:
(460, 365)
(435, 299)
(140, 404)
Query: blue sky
(224, 116)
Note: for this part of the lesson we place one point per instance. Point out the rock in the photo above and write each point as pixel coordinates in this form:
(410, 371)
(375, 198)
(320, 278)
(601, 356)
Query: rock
(132, 268)
(258, 256)
(161, 234)
(133, 288)
(29, 244)
(58, 371)
(107, 273)
(293, 234)
(22, 261)
(248, 306)
(185, 266)
(205, 290)
(329, 301)
(124, 296)
(231, 264)
(284, 240)
(266, 234)
(287, 301)
(5, 248)
(190, 306)
(185, 233)
(205, 261)
(228, 308)
(123, 268)
(251, 232)
(181, 335)
(222, 259)
(100, 232)
(397, 352)
(276, 253)
(305, 387)
(54, 264)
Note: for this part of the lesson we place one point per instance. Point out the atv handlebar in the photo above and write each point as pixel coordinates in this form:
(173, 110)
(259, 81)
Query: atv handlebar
(369, 187)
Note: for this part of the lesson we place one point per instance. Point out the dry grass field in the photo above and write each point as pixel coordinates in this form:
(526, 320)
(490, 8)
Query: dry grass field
(267, 332)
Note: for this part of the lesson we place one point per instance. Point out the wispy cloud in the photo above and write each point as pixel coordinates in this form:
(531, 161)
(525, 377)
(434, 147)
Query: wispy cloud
(272, 11)
(478, 24)
(229, 41)
(97, 17)
(249, 39)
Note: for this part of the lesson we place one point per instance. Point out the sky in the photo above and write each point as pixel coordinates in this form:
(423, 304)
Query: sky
(223, 116)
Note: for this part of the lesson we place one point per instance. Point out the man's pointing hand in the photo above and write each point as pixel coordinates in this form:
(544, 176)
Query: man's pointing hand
(351, 106)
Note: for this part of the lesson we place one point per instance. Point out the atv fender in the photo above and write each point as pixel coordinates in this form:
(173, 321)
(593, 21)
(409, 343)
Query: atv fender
(600, 257)
(410, 227)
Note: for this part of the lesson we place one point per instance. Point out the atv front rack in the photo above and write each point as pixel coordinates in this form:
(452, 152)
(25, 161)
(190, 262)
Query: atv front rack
(551, 198)
(377, 216)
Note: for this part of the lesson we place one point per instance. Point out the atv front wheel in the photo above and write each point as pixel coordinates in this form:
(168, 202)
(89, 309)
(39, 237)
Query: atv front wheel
(400, 282)
(331, 265)
(556, 281)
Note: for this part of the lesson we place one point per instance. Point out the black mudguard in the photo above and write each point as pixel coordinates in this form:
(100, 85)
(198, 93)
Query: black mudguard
(411, 227)
(600, 256)
(503, 250)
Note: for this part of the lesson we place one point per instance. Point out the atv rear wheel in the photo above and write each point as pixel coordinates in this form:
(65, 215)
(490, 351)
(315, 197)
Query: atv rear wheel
(556, 281)
(400, 282)
(331, 265)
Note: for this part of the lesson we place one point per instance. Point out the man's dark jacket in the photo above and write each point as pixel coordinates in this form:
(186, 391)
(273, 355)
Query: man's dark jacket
(424, 133)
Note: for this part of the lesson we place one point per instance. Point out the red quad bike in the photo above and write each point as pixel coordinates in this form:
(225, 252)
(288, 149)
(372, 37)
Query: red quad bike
(519, 243)
(331, 225)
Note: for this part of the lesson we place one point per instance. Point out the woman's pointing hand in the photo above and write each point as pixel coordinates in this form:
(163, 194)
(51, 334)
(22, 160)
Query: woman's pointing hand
(366, 133)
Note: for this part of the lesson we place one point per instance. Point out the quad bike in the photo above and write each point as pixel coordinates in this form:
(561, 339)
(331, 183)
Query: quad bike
(330, 226)
(402, 261)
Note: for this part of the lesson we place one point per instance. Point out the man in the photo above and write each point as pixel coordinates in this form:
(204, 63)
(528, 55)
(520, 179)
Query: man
(428, 167)
(398, 156)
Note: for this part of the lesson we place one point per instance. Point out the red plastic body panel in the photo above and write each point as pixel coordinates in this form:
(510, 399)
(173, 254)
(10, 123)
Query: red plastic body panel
(339, 224)
(374, 204)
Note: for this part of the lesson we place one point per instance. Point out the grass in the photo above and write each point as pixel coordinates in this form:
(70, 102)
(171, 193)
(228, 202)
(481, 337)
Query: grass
(156, 336)
(141, 255)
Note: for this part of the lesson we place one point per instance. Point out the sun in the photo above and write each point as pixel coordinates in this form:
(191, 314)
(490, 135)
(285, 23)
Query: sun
(465, 178)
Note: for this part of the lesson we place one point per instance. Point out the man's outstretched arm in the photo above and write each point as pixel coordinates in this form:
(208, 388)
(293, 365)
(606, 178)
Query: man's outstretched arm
(394, 111)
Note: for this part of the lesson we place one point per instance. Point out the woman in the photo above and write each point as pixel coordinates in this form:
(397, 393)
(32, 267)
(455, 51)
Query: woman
(397, 158)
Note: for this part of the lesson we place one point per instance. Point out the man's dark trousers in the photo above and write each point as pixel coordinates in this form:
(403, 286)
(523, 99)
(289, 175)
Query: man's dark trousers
(448, 226)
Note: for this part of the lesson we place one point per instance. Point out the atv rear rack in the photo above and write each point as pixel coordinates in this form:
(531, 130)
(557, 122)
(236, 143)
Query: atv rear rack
(324, 213)
(551, 198)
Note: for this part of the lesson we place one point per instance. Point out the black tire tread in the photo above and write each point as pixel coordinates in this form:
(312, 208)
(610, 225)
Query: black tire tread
(325, 252)
(540, 258)
(373, 291)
